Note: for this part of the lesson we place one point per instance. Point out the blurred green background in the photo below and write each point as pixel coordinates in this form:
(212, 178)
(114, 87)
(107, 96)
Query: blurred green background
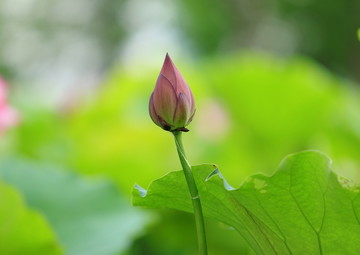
(269, 78)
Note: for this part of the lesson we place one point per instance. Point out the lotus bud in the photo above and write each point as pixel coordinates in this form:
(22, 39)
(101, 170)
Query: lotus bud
(171, 105)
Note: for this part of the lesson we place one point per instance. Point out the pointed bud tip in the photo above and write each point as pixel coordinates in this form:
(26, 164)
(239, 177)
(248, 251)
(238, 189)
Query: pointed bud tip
(168, 59)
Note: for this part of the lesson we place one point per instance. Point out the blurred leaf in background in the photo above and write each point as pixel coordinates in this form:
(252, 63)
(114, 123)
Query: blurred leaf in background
(23, 230)
(280, 106)
(89, 216)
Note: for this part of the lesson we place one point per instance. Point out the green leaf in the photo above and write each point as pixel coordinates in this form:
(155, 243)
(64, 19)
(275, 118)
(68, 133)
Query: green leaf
(90, 216)
(303, 208)
(23, 231)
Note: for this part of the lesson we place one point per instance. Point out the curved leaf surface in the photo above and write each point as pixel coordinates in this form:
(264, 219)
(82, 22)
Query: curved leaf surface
(303, 208)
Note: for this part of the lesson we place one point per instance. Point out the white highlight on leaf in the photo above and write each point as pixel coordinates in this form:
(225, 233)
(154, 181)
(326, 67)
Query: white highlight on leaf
(347, 184)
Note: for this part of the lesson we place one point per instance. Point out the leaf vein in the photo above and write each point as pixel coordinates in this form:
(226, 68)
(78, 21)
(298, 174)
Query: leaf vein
(302, 212)
(273, 220)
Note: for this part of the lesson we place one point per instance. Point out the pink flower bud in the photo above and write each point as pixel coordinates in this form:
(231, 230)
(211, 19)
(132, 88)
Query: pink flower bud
(172, 104)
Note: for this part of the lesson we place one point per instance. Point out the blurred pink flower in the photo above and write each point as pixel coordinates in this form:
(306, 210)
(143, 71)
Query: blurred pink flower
(8, 116)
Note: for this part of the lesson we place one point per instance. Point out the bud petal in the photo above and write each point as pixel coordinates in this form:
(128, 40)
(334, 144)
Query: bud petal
(182, 112)
(191, 117)
(168, 70)
(164, 99)
(152, 111)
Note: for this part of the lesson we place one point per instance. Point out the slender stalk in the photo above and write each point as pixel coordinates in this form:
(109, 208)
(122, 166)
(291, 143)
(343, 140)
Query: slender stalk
(199, 218)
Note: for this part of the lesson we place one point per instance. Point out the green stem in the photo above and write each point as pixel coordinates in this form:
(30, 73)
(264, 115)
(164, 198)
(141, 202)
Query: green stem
(199, 218)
